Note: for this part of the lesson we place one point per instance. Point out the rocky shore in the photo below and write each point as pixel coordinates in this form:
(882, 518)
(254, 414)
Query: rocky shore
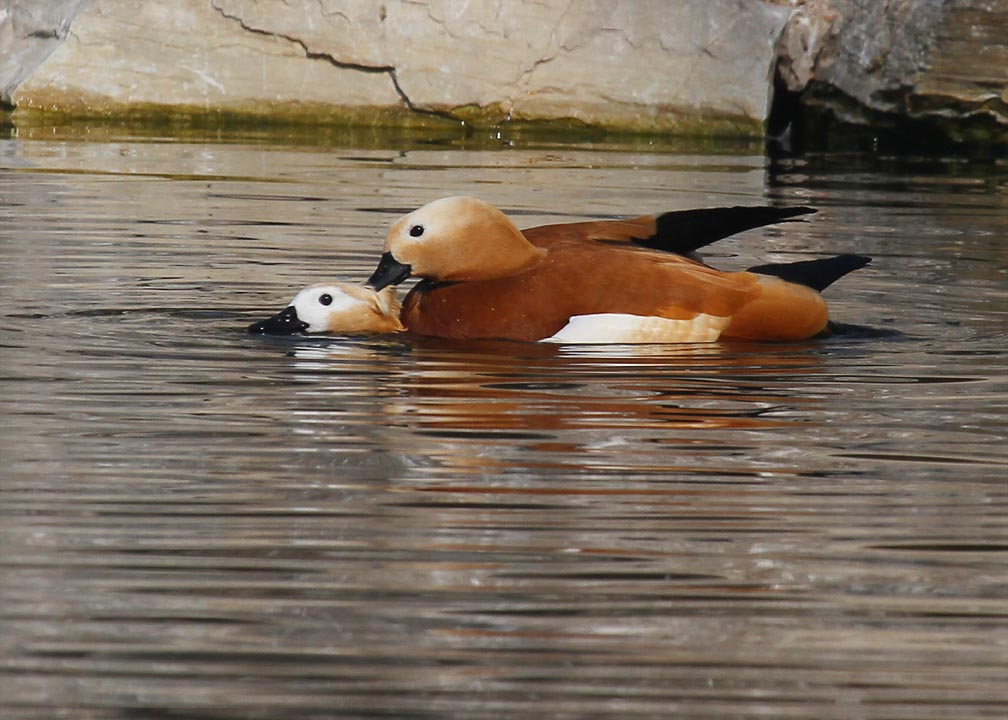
(801, 71)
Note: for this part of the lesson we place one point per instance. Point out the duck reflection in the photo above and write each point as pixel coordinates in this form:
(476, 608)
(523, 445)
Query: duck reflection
(497, 405)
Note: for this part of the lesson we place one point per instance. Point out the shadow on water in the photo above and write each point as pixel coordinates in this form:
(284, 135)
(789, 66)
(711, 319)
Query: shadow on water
(197, 522)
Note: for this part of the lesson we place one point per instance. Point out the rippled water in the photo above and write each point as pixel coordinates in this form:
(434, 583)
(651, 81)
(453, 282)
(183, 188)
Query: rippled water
(196, 522)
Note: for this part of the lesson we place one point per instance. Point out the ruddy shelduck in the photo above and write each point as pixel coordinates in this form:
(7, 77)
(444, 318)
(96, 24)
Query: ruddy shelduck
(610, 281)
(335, 308)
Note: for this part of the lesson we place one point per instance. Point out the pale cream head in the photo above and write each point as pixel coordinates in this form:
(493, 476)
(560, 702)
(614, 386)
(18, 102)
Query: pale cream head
(345, 308)
(460, 238)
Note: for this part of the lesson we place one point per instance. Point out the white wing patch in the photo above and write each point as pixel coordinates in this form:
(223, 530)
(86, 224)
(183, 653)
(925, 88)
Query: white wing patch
(621, 328)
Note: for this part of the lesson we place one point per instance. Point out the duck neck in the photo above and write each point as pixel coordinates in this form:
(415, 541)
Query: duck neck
(497, 256)
(529, 257)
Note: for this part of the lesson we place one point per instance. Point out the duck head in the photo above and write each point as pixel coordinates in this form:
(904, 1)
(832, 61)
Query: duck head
(335, 308)
(454, 239)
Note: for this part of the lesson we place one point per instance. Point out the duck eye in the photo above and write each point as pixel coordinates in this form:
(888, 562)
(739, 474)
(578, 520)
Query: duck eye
(416, 231)
(325, 299)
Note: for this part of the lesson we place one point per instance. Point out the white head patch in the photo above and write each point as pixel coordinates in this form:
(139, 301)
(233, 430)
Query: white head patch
(314, 305)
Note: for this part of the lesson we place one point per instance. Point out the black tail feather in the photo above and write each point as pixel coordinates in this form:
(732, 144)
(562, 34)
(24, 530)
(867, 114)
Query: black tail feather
(684, 231)
(816, 274)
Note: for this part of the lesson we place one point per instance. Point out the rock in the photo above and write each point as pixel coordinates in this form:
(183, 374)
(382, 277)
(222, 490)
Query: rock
(912, 70)
(916, 71)
(694, 66)
(30, 31)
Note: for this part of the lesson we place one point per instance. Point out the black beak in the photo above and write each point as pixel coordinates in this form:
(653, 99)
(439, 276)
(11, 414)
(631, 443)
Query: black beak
(285, 322)
(389, 272)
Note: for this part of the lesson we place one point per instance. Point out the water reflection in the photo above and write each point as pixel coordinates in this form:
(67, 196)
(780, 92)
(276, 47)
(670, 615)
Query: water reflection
(587, 408)
(196, 522)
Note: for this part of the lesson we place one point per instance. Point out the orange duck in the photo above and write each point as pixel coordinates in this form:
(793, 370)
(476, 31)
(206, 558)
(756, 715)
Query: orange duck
(610, 281)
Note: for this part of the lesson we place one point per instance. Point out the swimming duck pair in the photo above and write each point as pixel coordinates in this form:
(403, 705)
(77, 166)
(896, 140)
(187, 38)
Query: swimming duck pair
(609, 281)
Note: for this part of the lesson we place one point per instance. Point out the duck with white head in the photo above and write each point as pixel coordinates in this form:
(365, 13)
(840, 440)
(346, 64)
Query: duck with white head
(335, 307)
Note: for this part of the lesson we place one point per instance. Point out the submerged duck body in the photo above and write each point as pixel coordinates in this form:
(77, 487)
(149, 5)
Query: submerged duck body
(597, 282)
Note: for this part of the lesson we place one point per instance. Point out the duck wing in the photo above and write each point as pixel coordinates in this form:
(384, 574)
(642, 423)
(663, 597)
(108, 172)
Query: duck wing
(686, 231)
(681, 231)
(816, 274)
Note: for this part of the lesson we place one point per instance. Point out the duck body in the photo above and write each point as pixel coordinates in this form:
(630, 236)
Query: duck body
(613, 291)
(592, 282)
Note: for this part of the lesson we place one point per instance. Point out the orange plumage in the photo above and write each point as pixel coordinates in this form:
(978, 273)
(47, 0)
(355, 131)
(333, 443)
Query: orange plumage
(483, 278)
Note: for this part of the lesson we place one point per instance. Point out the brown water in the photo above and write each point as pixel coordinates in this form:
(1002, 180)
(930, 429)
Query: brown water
(199, 523)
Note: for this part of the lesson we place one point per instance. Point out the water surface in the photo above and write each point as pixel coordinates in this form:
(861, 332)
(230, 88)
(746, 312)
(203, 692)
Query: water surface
(196, 522)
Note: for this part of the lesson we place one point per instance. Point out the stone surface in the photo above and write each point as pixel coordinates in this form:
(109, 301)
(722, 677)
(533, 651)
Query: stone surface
(941, 66)
(30, 30)
(691, 66)
(698, 65)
